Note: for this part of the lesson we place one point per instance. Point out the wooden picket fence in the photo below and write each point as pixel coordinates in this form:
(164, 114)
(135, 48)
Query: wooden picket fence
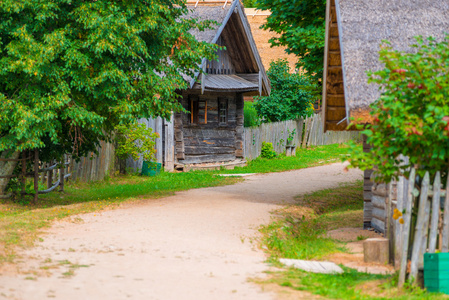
(308, 132)
(424, 228)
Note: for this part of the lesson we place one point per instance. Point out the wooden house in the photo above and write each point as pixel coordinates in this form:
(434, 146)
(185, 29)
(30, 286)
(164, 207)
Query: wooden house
(354, 32)
(213, 130)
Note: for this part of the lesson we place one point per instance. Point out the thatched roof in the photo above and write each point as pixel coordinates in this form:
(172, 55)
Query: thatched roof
(214, 13)
(361, 25)
(234, 29)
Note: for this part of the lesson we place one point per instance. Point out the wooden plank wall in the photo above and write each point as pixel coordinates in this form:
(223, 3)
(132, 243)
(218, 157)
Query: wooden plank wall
(94, 167)
(367, 193)
(335, 98)
(309, 132)
(213, 141)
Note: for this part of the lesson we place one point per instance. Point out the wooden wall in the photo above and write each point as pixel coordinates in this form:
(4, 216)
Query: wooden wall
(367, 190)
(334, 92)
(211, 142)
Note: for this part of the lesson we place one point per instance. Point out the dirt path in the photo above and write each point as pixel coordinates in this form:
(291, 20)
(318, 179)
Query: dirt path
(198, 244)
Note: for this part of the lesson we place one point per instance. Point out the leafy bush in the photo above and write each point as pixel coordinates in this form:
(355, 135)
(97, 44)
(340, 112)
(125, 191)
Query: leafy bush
(292, 95)
(136, 140)
(412, 115)
(251, 118)
(268, 151)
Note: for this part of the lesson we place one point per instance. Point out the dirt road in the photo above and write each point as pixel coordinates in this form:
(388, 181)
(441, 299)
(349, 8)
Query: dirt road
(198, 244)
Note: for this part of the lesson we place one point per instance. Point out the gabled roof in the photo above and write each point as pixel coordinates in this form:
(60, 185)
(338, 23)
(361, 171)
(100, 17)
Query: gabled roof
(232, 21)
(354, 32)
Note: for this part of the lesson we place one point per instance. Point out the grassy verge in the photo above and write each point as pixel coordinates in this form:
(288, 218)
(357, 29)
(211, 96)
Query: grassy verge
(21, 222)
(305, 158)
(300, 234)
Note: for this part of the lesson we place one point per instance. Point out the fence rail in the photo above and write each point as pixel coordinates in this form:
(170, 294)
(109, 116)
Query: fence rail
(308, 132)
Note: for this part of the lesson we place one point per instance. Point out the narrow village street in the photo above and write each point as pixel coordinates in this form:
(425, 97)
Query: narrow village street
(197, 244)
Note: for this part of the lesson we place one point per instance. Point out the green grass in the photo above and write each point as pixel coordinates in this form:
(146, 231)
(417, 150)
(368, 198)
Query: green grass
(349, 285)
(305, 158)
(300, 234)
(20, 222)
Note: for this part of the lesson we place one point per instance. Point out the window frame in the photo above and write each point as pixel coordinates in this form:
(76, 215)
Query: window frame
(221, 101)
(194, 107)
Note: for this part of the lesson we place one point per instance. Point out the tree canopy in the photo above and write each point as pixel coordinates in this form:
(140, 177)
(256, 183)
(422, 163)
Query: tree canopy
(71, 70)
(292, 95)
(301, 26)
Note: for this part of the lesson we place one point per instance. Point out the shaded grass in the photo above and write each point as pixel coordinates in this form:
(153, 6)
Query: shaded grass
(20, 223)
(300, 234)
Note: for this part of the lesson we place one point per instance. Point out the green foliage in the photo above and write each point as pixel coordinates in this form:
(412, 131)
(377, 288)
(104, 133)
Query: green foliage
(134, 140)
(412, 115)
(251, 118)
(301, 28)
(71, 70)
(267, 151)
(292, 95)
(249, 3)
(291, 136)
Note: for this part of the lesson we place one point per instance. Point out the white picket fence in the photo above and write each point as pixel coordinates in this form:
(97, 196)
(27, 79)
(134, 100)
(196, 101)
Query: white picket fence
(308, 132)
(424, 228)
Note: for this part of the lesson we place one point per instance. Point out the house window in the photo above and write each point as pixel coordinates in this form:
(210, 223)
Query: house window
(198, 110)
(222, 111)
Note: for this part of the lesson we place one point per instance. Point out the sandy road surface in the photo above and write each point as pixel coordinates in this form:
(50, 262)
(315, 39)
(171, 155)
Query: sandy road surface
(197, 244)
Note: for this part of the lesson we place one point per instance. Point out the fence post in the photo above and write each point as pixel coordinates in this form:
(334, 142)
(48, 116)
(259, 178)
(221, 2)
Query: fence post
(36, 175)
(419, 230)
(435, 213)
(61, 176)
(406, 229)
(445, 238)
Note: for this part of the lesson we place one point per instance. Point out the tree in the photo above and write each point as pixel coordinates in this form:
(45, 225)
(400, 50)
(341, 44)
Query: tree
(292, 95)
(412, 115)
(301, 28)
(249, 3)
(71, 70)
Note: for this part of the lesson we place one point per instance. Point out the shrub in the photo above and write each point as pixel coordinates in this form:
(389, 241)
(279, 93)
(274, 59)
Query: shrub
(292, 95)
(268, 151)
(136, 140)
(412, 115)
(251, 118)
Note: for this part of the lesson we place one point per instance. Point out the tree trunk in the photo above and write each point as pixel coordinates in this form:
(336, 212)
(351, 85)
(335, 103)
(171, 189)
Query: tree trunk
(7, 168)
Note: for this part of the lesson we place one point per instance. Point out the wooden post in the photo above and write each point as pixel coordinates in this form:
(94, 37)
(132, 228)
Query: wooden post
(36, 175)
(24, 170)
(435, 213)
(419, 230)
(61, 176)
(49, 175)
(445, 239)
(406, 229)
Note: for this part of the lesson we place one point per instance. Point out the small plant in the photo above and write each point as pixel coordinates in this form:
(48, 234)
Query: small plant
(268, 151)
(361, 238)
(136, 140)
(291, 136)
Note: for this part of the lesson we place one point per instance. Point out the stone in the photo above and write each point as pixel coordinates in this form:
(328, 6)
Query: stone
(376, 250)
(325, 267)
